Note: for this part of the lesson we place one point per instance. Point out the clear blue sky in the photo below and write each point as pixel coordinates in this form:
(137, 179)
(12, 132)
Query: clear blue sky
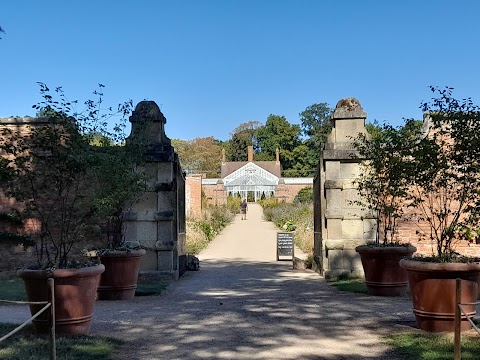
(213, 64)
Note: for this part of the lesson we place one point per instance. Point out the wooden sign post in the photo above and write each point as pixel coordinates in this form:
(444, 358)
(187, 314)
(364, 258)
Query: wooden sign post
(285, 245)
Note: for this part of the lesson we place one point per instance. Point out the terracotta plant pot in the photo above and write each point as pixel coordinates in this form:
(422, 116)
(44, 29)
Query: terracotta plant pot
(381, 265)
(433, 293)
(119, 281)
(75, 293)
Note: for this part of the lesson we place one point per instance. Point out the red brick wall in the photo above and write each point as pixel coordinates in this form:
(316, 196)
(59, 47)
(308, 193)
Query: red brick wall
(193, 195)
(407, 233)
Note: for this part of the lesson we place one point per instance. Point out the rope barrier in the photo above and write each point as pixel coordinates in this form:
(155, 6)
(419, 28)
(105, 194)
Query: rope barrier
(25, 302)
(457, 354)
(18, 328)
(51, 305)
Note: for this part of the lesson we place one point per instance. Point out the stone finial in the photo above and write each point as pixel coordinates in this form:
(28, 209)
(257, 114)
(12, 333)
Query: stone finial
(148, 120)
(348, 108)
(148, 110)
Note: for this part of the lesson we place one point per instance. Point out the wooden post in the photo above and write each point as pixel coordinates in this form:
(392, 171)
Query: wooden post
(458, 319)
(53, 350)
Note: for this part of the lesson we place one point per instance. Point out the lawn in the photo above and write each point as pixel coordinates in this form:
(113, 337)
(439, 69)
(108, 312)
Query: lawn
(424, 346)
(26, 345)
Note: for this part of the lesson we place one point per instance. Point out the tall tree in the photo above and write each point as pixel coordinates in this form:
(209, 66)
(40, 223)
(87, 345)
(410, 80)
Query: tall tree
(200, 155)
(316, 125)
(279, 133)
(243, 136)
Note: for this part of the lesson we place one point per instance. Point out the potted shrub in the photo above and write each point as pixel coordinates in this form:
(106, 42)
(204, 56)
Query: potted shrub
(120, 182)
(49, 162)
(382, 186)
(445, 200)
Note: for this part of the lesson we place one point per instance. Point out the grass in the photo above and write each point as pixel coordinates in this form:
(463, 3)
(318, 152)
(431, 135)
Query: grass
(26, 345)
(354, 285)
(420, 346)
(12, 290)
(150, 287)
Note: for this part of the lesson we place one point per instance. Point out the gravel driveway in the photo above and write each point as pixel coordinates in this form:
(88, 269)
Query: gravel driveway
(243, 304)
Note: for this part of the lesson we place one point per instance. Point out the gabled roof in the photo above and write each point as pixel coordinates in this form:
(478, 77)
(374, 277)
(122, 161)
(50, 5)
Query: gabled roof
(272, 167)
(251, 174)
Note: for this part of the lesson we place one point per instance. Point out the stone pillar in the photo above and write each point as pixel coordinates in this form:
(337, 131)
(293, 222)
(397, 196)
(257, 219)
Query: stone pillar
(339, 224)
(157, 221)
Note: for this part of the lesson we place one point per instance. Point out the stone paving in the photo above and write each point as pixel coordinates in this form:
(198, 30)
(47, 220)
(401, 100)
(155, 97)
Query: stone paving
(243, 304)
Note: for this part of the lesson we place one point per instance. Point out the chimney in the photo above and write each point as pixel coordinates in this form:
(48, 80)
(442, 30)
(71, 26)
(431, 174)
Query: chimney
(250, 153)
(277, 157)
(223, 156)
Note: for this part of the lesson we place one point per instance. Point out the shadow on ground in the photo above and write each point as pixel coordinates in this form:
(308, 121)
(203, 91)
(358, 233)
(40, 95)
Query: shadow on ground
(251, 310)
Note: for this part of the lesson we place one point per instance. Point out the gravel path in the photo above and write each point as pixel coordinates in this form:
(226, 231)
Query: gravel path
(243, 304)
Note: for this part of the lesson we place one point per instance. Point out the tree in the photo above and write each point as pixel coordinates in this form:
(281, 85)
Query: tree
(316, 125)
(243, 136)
(200, 155)
(279, 133)
(446, 167)
(385, 176)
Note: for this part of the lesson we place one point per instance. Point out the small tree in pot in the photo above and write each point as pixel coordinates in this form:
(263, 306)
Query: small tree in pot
(382, 186)
(120, 183)
(445, 198)
(49, 167)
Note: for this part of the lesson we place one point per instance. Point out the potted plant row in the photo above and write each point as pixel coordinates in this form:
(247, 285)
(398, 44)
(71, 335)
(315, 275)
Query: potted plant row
(382, 188)
(54, 169)
(445, 198)
(431, 179)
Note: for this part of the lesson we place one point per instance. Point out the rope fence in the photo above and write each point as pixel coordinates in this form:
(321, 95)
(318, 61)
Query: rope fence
(457, 354)
(48, 305)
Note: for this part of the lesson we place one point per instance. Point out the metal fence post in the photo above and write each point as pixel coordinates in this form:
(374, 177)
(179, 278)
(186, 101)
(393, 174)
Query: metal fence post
(456, 343)
(53, 350)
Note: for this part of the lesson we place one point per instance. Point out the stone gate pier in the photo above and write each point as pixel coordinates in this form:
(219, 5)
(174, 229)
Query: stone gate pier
(157, 221)
(339, 224)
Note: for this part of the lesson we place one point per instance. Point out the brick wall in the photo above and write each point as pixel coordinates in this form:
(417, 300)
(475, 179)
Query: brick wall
(193, 195)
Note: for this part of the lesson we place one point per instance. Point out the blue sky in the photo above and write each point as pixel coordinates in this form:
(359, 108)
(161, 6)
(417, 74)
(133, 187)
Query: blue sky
(213, 64)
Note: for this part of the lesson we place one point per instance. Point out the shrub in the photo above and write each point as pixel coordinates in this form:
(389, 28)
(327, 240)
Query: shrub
(202, 230)
(297, 217)
(304, 195)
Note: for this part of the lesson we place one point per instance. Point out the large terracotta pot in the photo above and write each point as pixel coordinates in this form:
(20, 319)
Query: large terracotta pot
(433, 293)
(383, 274)
(119, 281)
(75, 293)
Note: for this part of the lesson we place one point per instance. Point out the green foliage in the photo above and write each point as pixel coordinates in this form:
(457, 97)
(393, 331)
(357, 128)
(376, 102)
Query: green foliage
(445, 167)
(349, 284)
(423, 346)
(385, 176)
(16, 239)
(304, 195)
(279, 133)
(292, 217)
(233, 204)
(54, 170)
(26, 345)
(150, 287)
(202, 230)
(316, 125)
(243, 136)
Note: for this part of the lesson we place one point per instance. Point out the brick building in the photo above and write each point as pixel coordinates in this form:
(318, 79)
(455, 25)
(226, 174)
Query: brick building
(248, 179)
